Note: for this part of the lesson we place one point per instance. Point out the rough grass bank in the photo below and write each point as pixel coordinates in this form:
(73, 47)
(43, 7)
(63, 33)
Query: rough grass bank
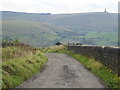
(20, 63)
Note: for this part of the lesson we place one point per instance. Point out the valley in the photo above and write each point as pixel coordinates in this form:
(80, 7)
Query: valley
(98, 28)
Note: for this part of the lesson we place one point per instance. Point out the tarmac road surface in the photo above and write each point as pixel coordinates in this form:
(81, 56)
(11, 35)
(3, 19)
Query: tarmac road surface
(63, 71)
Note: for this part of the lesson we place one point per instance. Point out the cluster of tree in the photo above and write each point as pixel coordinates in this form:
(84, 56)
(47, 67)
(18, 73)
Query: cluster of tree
(59, 43)
(74, 44)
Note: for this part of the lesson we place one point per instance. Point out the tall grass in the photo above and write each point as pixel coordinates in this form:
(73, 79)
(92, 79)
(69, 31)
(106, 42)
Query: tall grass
(15, 52)
(20, 63)
(15, 71)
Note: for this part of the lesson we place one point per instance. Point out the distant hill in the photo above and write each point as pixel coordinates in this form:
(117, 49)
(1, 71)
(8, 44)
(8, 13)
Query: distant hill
(81, 21)
(36, 33)
(25, 13)
(43, 29)
(88, 21)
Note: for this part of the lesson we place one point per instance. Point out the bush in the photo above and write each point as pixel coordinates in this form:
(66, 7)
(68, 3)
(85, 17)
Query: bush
(58, 43)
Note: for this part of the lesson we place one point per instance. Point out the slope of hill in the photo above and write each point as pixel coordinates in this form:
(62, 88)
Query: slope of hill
(77, 22)
(88, 22)
(35, 33)
(98, 28)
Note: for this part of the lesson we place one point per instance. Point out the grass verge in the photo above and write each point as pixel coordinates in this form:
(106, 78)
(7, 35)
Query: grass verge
(18, 70)
(109, 78)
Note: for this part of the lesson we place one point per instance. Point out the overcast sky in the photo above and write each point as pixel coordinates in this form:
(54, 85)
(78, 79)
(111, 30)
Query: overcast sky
(59, 6)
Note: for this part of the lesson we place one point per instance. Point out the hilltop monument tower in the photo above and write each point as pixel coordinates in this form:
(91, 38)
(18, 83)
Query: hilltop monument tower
(105, 10)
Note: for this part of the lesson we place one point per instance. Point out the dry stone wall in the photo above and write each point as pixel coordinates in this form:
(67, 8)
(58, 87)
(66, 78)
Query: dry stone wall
(109, 56)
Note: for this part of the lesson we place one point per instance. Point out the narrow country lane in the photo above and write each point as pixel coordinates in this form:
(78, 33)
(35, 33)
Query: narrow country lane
(62, 71)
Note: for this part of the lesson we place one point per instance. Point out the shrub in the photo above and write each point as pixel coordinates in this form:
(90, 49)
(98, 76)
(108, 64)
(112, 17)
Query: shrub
(58, 43)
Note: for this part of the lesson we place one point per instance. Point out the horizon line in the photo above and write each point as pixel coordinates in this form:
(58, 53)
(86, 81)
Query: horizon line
(54, 13)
